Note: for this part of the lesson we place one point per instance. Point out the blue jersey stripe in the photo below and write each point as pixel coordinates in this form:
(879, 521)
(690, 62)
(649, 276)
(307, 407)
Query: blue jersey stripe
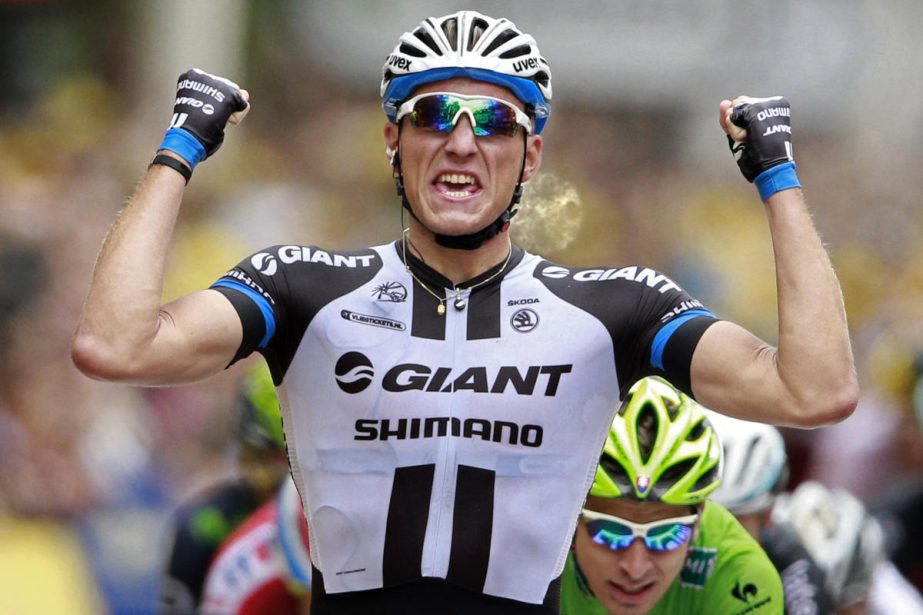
(663, 336)
(269, 318)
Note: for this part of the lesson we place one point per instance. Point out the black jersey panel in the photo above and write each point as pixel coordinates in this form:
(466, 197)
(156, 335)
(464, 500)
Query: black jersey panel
(484, 313)
(472, 527)
(406, 530)
(635, 304)
(289, 285)
(424, 306)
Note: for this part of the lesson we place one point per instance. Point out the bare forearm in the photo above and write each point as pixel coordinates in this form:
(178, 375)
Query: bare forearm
(814, 358)
(808, 380)
(121, 313)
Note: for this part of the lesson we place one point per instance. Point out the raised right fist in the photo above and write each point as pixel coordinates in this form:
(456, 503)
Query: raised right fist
(204, 105)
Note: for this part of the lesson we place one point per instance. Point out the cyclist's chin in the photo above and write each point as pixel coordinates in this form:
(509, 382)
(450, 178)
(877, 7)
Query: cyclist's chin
(633, 600)
(458, 221)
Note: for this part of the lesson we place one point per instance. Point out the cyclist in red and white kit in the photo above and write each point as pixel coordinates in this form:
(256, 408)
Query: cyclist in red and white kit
(265, 565)
(201, 524)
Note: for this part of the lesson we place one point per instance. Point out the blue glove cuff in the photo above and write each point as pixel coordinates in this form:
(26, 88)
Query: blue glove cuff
(183, 143)
(780, 177)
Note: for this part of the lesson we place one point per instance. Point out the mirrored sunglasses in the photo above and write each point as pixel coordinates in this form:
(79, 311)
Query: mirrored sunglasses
(617, 533)
(441, 110)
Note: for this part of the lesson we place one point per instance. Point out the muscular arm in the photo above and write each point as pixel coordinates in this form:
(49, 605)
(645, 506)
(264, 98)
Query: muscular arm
(124, 333)
(809, 380)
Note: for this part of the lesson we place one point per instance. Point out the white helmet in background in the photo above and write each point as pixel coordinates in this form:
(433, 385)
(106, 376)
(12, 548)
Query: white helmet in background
(755, 464)
(839, 533)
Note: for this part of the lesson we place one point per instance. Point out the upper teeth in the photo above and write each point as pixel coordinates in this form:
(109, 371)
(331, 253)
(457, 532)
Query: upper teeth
(456, 178)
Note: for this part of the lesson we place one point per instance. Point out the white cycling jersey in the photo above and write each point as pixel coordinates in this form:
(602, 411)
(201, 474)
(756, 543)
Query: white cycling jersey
(457, 446)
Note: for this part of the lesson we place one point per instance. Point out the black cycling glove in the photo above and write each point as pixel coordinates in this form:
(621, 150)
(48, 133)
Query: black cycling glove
(204, 102)
(765, 157)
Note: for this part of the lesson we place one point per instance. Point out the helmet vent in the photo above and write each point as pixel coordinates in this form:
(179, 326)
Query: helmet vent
(696, 432)
(647, 431)
(706, 479)
(477, 29)
(516, 52)
(499, 39)
(671, 406)
(542, 78)
(412, 51)
(450, 28)
(427, 40)
(614, 469)
(676, 472)
(748, 458)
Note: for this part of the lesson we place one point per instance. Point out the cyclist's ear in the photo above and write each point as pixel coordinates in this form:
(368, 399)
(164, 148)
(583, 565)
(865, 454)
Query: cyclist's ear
(391, 134)
(533, 157)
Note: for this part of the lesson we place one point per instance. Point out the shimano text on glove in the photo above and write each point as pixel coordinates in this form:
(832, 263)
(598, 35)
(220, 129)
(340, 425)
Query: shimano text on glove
(204, 103)
(765, 157)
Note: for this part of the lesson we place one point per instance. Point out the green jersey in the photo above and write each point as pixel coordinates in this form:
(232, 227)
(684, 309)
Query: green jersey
(726, 572)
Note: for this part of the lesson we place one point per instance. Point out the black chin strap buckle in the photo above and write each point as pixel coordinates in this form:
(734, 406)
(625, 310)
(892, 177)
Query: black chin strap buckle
(517, 194)
(397, 173)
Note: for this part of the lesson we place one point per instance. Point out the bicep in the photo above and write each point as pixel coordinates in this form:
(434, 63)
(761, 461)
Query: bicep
(197, 337)
(734, 372)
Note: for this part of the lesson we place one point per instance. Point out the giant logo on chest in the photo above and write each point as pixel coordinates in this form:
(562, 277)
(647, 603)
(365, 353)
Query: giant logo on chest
(355, 373)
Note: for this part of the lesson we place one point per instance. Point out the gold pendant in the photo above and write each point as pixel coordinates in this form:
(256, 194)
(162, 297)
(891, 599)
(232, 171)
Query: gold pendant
(441, 309)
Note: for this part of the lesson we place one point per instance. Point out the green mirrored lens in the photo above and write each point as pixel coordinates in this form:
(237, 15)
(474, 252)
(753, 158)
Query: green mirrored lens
(617, 536)
(440, 112)
(613, 535)
(667, 537)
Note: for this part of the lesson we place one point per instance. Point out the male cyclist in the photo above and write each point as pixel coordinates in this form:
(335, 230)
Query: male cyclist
(647, 540)
(264, 566)
(200, 525)
(755, 472)
(847, 542)
(436, 389)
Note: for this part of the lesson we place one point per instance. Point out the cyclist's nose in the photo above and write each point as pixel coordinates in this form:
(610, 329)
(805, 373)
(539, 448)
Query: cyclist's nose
(462, 139)
(636, 560)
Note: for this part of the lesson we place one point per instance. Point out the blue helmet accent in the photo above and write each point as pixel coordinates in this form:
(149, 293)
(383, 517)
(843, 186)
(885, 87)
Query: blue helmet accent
(400, 89)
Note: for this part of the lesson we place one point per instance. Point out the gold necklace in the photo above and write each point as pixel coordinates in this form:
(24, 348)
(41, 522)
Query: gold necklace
(460, 302)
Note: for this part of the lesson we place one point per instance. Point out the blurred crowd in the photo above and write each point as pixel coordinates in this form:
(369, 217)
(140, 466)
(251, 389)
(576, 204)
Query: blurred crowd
(89, 471)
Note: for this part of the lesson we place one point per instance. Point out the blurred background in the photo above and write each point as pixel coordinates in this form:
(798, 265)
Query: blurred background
(636, 170)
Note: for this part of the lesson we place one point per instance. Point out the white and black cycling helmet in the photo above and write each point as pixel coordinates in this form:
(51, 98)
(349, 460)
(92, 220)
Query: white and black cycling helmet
(755, 464)
(468, 44)
(843, 538)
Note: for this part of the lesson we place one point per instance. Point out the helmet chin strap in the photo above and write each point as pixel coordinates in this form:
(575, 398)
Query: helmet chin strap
(470, 241)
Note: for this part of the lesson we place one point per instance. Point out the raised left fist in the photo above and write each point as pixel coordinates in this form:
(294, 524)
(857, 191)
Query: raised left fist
(759, 132)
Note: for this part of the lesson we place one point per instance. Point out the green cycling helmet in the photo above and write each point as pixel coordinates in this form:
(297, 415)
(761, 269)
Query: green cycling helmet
(661, 448)
(260, 420)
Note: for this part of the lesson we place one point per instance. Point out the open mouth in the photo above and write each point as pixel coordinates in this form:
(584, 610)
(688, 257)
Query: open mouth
(631, 594)
(457, 185)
